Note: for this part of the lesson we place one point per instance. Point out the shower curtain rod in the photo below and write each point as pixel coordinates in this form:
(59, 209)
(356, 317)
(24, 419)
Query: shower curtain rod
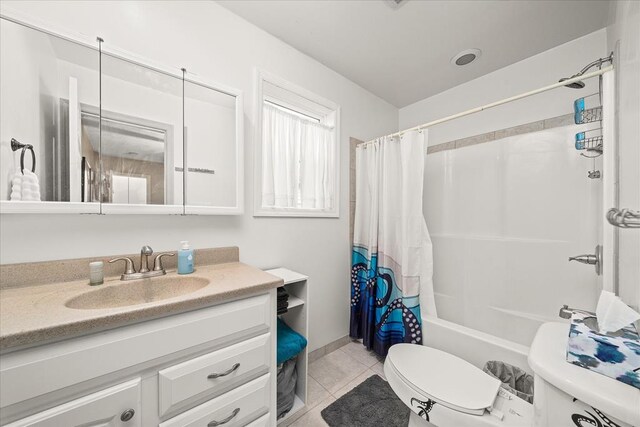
(502, 101)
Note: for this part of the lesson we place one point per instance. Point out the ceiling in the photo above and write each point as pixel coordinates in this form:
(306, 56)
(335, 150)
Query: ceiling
(403, 54)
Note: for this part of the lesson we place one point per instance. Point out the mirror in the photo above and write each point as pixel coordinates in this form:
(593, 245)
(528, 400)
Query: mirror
(111, 134)
(210, 135)
(43, 78)
(141, 150)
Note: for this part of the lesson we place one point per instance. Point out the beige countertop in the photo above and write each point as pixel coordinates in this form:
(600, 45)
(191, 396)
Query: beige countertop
(34, 315)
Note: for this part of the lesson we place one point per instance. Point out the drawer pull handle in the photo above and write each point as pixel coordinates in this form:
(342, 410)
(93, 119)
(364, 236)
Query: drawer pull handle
(127, 415)
(224, 374)
(226, 420)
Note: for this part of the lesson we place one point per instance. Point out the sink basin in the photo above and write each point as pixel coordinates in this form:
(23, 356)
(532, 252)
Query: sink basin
(137, 292)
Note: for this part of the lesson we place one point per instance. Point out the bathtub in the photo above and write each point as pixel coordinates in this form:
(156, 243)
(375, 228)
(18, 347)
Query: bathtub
(472, 345)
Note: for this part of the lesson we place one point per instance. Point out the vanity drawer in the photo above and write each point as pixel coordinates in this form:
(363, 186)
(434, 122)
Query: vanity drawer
(263, 421)
(220, 369)
(232, 409)
(106, 407)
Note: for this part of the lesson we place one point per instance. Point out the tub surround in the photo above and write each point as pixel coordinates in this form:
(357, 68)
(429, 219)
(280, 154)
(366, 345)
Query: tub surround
(37, 314)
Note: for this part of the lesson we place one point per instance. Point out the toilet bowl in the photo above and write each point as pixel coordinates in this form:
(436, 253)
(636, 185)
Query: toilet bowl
(446, 391)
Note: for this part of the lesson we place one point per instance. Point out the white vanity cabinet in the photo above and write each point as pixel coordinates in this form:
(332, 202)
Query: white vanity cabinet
(207, 367)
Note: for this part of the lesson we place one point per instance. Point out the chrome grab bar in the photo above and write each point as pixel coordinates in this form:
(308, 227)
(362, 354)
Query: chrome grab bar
(624, 218)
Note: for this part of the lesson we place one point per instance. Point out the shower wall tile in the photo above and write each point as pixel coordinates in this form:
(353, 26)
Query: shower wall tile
(477, 139)
(519, 130)
(441, 147)
(550, 123)
(559, 121)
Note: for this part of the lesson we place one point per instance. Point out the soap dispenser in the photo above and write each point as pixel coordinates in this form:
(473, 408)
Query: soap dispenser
(185, 258)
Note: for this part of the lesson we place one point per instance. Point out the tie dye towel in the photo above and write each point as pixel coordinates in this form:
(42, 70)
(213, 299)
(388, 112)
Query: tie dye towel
(616, 355)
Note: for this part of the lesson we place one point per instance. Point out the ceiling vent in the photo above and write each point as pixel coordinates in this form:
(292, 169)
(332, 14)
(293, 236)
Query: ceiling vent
(466, 57)
(395, 4)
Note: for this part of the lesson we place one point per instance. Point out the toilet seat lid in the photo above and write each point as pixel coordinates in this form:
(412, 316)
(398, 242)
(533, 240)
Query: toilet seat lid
(448, 379)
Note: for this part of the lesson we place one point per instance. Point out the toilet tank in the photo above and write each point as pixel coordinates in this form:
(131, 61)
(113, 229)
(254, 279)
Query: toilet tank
(568, 395)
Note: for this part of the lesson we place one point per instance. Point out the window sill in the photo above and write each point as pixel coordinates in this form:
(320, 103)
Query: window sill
(295, 213)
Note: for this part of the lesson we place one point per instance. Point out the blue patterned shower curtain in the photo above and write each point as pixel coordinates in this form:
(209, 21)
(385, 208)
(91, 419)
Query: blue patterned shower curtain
(391, 264)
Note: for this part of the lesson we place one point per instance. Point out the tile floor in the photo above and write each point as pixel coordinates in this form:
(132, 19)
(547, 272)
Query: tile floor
(332, 376)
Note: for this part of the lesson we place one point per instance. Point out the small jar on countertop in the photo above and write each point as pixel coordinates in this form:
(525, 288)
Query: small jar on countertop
(96, 273)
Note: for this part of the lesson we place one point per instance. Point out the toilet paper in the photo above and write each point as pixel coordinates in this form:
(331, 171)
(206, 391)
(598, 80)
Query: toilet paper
(613, 314)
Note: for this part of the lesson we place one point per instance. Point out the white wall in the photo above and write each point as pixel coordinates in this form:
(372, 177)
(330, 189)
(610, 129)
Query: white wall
(532, 73)
(624, 32)
(216, 44)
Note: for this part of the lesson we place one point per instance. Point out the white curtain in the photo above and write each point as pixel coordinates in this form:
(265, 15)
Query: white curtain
(298, 161)
(392, 261)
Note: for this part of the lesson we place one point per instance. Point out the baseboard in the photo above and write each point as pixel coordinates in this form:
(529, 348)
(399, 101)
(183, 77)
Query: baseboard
(332, 346)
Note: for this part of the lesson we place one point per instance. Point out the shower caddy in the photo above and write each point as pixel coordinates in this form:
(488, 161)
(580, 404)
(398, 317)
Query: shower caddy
(588, 109)
(584, 112)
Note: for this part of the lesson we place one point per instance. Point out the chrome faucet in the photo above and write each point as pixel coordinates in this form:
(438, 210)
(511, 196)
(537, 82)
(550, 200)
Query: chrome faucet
(130, 270)
(144, 258)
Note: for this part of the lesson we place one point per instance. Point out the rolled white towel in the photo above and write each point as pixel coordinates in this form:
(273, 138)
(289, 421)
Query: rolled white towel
(31, 186)
(30, 177)
(16, 187)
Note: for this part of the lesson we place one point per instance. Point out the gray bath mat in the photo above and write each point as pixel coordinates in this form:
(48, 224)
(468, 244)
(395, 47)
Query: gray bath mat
(372, 403)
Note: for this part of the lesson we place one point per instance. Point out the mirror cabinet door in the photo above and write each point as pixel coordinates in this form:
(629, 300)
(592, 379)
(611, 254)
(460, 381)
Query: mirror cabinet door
(97, 132)
(210, 149)
(142, 139)
(49, 160)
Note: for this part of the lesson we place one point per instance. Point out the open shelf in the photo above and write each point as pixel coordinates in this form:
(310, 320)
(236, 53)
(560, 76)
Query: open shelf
(297, 319)
(298, 404)
(295, 302)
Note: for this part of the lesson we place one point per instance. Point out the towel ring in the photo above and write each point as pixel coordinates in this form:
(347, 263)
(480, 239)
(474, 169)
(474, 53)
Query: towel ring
(16, 145)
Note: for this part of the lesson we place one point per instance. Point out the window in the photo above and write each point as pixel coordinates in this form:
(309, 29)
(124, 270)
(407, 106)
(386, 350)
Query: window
(297, 166)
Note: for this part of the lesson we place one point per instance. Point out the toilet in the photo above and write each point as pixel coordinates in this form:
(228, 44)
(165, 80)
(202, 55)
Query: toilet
(446, 391)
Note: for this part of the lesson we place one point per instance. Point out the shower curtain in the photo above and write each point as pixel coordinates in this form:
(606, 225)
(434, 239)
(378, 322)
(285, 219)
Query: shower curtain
(392, 264)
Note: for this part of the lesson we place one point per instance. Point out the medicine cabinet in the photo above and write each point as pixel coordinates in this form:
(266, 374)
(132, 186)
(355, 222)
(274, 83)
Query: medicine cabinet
(85, 128)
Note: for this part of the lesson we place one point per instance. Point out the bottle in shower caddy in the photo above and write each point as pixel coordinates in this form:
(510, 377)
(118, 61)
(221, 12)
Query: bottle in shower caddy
(185, 258)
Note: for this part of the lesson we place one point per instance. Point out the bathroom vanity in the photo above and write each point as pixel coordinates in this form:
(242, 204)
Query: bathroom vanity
(195, 350)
